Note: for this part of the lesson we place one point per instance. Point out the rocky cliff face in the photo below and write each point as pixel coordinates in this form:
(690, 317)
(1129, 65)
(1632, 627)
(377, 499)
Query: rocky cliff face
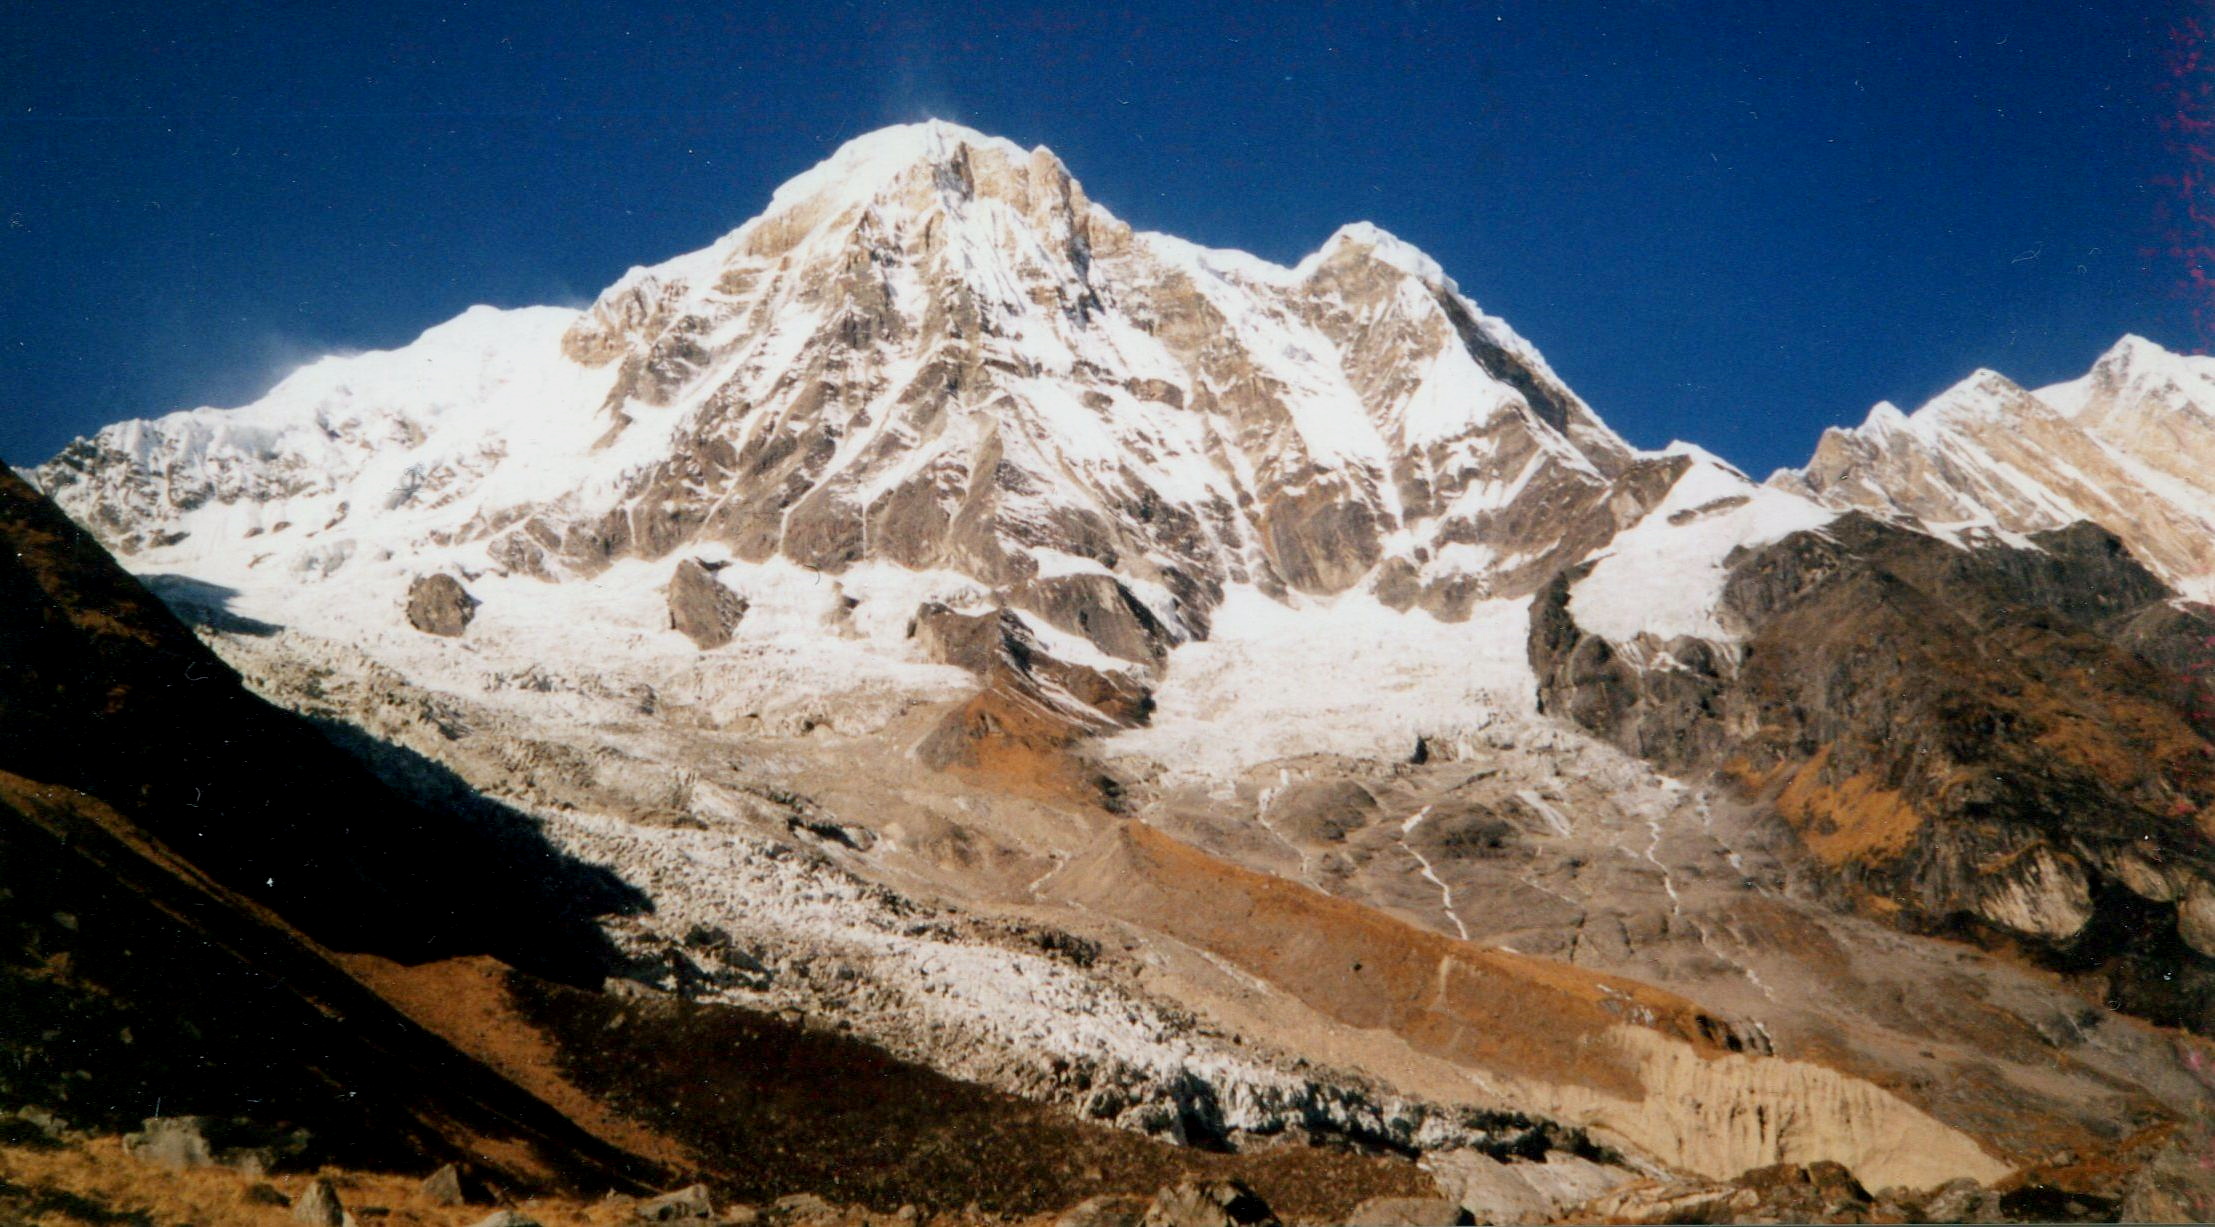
(1985, 741)
(932, 350)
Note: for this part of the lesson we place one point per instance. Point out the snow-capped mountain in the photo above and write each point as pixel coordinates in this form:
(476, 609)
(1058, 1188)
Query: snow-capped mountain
(1196, 691)
(930, 350)
(2129, 446)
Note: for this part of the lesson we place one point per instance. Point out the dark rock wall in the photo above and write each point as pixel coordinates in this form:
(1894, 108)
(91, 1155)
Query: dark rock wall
(2003, 744)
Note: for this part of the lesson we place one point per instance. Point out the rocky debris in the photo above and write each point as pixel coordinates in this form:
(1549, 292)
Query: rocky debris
(2176, 1186)
(1107, 1210)
(439, 605)
(701, 607)
(318, 1205)
(1820, 1192)
(1217, 1203)
(686, 1204)
(506, 1218)
(444, 1187)
(1966, 1201)
(1409, 1212)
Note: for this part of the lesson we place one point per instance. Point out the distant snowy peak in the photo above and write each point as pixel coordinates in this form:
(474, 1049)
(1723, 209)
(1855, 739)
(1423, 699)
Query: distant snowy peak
(2129, 446)
(932, 350)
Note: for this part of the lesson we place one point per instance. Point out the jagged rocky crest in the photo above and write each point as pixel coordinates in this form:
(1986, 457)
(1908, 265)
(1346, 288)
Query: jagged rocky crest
(932, 350)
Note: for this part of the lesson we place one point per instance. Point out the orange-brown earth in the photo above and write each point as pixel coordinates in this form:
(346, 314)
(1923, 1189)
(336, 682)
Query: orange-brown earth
(1477, 1006)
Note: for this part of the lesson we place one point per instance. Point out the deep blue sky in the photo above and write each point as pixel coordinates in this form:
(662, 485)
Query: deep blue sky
(1732, 223)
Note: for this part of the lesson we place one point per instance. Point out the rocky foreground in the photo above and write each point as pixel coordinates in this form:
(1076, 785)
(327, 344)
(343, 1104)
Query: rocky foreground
(170, 1175)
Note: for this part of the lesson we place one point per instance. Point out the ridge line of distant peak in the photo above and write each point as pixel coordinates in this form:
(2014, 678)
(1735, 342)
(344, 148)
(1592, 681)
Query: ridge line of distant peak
(861, 163)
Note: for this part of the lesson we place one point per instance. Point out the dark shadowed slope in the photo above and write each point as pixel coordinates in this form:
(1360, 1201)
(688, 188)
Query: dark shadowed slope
(104, 691)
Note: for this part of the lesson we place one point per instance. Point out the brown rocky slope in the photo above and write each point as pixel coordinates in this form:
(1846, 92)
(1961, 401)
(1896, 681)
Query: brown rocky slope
(1994, 743)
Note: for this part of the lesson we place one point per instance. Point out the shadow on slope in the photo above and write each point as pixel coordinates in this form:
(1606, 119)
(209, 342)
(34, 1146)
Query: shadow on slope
(196, 602)
(104, 691)
(132, 986)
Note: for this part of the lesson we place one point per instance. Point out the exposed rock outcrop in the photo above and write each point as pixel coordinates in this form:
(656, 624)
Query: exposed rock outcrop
(1034, 709)
(1219, 1203)
(1408, 1212)
(439, 605)
(444, 1187)
(934, 350)
(688, 1204)
(318, 1205)
(1963, 740)
(701, 608)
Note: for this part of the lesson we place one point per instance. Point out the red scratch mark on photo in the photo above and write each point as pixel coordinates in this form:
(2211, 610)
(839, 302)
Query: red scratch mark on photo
(2187, 215)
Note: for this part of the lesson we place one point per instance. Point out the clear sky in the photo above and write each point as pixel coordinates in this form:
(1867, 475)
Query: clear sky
(1730, 223)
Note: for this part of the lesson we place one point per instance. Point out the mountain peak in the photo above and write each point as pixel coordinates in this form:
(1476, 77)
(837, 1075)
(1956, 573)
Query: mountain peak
(1384, 246)
(2131, 348)
(1884, 415)
(956, 161)
(873, 159)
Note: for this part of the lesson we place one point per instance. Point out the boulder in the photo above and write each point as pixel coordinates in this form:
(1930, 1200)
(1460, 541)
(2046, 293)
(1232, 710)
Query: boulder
(33, 1121)
(1491, 1191)
(180, 1142)
(318, 1206)
(1566, 1179)
(686, 1204)
(443, 1187)
(1408, 1212)
(1964, 1201)
(2196, 917)
(175, 1142)
(1819, 1192)
(1320, 811)
(439, 605)
(1214, 1203)
(701, 608)
(802, 1208)
(506, 1218)
(1107, 1210)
